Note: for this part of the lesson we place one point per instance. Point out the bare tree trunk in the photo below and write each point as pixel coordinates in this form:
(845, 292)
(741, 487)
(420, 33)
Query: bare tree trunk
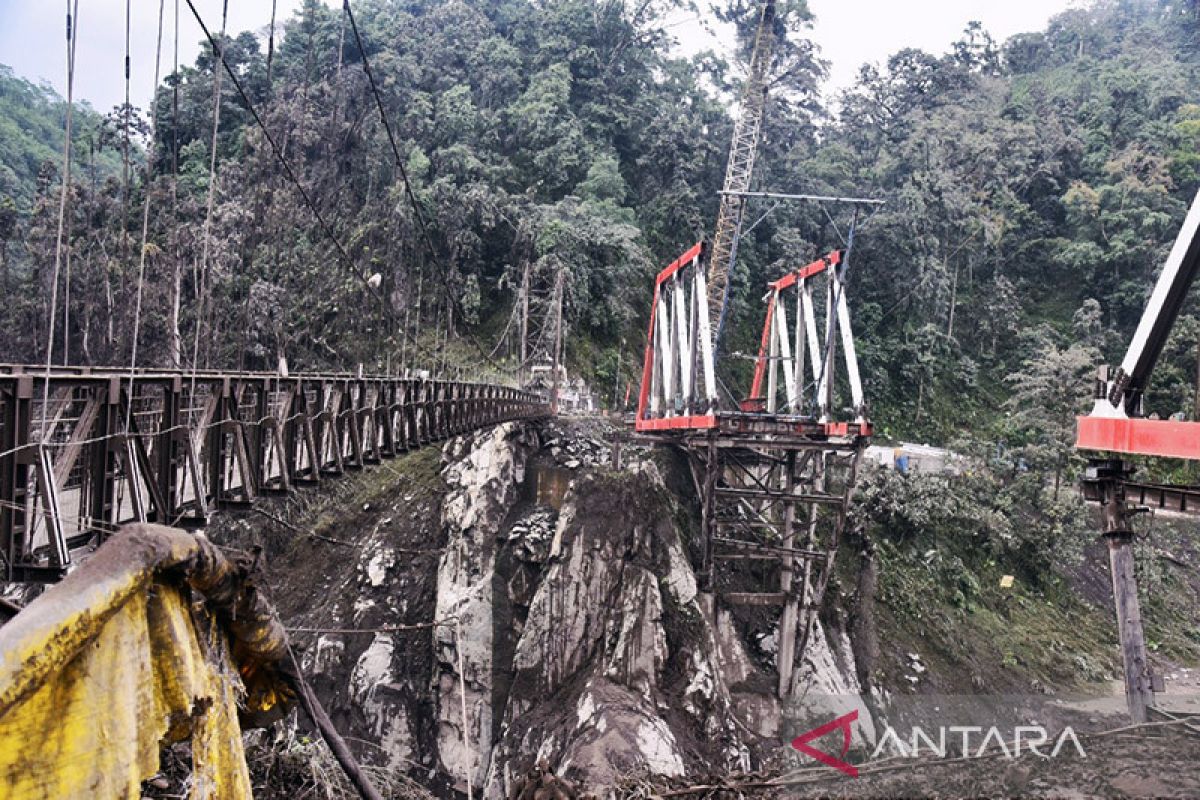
(86, 313)
(953, 304)
(176, 341)
(110, 333)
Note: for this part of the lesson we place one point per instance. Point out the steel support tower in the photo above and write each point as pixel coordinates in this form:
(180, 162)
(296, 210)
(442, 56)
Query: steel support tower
(1117, 426)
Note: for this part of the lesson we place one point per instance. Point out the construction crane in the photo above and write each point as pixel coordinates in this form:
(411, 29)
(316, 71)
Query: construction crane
(742, 151)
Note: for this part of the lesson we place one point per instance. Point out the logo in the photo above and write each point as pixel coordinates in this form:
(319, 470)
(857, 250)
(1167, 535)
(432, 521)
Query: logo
(841, 723)
(1028, 739)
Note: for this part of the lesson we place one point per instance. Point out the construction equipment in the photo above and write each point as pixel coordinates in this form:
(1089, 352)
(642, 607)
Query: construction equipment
(743, 149)
(774, 479)
(1116, 425)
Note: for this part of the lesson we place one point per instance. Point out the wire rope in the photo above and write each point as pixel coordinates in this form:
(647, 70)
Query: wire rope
(408, 190)
(62, 208)
(291, 175)
(74, 12)
(141, 279)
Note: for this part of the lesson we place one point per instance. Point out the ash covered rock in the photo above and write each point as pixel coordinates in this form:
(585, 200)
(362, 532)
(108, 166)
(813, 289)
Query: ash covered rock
(582, 643)
(532, 535)
(576, 444)
(598, 638)
(484, 472)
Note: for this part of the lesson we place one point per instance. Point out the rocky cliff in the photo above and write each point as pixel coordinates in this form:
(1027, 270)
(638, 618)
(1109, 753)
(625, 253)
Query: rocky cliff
(521, 604)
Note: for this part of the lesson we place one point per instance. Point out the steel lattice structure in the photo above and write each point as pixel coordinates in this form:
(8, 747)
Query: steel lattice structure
(108, 447)
(774, 479)
(742, 152)
(1117, 426)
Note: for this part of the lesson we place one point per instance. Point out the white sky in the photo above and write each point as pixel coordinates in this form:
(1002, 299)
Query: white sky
(850, 33)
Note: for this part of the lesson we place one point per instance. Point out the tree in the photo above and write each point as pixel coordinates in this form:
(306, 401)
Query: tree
(1046, 394)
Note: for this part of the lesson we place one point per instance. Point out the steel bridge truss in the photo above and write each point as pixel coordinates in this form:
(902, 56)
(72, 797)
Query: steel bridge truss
(774, 479)
(774, 511)
(106, 447)
(783, 351)
(679, 388)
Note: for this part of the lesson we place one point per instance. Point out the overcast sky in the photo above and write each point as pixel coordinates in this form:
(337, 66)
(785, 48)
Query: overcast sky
(850, 33)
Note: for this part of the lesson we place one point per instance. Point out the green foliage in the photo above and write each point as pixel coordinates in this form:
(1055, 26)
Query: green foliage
(972, 527)
(32, 132)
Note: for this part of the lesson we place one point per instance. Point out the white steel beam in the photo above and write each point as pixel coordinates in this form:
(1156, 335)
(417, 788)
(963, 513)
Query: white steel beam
(668, 363)
(705, 337)
(856, 393)
(680, 317)
(810, 330)
(785, 348)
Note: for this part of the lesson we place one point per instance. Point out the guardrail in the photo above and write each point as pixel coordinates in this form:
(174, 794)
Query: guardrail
(85, 450)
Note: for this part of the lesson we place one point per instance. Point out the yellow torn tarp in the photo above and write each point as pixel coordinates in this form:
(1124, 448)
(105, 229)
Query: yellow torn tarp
(104, 668)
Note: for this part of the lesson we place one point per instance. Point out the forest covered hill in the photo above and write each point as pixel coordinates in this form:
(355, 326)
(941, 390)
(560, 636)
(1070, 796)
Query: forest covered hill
(1033, 187)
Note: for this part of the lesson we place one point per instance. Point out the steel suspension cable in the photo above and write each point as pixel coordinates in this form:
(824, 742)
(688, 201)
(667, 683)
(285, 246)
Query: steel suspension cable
(127, 124)
(176, 272)
(137, 308)
(62, 210)
(67, 179)
(200, 275)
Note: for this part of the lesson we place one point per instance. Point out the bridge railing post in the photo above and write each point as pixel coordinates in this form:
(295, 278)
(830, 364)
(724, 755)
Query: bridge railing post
(17, 425)
(167, 449)
(103, 473)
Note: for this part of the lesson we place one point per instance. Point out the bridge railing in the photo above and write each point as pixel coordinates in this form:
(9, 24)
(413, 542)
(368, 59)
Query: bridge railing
(86, 450)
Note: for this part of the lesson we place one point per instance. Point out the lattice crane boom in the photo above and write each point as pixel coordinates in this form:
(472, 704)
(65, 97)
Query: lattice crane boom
(742, 151)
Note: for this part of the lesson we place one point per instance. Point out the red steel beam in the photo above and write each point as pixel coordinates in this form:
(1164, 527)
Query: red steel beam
(676, 423)
(761, 364)
(1148, 437)
(648, 362)
(808, 270)
(679, 263)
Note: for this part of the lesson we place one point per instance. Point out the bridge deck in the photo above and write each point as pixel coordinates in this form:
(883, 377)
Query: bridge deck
(741, 423)
(84, 450)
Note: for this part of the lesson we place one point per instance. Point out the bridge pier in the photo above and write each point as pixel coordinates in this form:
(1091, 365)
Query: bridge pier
(1105, 483)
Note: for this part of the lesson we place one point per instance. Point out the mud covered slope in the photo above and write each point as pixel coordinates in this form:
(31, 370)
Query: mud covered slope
(514, 601)
(352, 567)
(511, 603)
